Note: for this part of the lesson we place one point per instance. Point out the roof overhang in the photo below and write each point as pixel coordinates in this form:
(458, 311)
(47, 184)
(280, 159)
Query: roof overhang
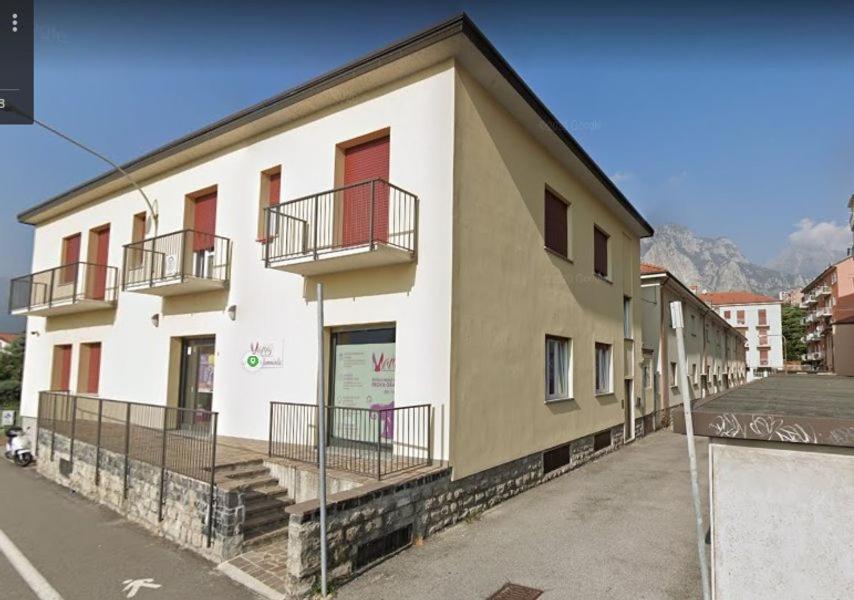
(457, 38)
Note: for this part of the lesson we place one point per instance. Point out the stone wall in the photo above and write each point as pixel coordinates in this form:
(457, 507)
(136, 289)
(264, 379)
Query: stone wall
(185, 500)
(428, 504)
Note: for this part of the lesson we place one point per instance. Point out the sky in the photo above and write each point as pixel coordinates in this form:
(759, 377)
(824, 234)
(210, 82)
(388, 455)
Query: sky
(732, 121)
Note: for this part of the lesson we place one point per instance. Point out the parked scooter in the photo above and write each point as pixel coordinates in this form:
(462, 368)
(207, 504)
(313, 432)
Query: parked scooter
(18, 446)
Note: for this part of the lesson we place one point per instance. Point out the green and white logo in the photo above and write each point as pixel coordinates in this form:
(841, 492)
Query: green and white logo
(251, 362)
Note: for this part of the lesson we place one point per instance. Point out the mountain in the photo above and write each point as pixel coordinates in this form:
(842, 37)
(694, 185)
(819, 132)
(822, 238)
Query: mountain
(712, 263)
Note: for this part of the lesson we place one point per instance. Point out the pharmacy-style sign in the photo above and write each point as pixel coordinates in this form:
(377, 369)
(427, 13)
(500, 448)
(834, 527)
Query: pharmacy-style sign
(264, 355)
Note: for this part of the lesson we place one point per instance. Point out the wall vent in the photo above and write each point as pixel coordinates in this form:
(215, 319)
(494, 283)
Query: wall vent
(601, 440)
(383, 546)
(555, 458)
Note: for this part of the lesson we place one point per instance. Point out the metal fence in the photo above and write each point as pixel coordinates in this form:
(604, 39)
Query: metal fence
(362, 214)
(175, 257)
(372, 442)
(63, 285)
(179, 440)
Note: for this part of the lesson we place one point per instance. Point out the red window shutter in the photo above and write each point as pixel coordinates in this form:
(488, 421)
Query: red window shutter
(94, 374)
(63, 357)
(98, 271)
(366, 162)
(274, 189)
(739, 315)
(204, 222)
(727, 314)
(70, 256)
(600, 252)
(763, 317)
(556, 225)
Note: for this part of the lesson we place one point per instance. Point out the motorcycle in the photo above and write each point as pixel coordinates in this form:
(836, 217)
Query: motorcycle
(18, 446)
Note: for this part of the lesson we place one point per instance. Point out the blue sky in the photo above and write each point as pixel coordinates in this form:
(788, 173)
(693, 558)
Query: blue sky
(731, 122)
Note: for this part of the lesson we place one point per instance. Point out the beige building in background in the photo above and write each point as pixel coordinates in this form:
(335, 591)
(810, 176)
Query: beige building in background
(715, 350)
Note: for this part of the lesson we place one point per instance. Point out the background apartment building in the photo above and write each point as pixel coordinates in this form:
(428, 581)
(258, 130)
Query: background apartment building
(474, 260)
(828, 303)
(759, 319)
(715, 350)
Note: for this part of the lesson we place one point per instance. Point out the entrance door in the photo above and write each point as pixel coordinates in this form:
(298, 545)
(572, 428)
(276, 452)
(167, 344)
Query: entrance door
(366, 162)
(630, 411)
(101, 238)
(198, 358)
(362, 379)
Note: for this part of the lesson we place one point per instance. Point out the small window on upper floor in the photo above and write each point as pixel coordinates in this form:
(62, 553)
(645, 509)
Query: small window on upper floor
(627, 317)
(600, 252)
(271, 194)
(558, 368)
(739, 317)
(557, 225)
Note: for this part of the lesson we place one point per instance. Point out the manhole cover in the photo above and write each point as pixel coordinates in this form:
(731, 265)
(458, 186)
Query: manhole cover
(512, 591)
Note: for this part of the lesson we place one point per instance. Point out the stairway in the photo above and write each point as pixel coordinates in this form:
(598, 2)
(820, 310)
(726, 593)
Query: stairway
(265, 519)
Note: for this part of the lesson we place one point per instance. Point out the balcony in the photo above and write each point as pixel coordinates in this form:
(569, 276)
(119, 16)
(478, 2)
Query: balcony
(368, 224)
(183, 262)
(824, 311)
(73, 288)
(823, 290)
(810, 299)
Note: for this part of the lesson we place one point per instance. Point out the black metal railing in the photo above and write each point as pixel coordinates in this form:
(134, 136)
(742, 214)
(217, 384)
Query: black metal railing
(178, 440)
(63, 285)
(372, 442)
(176, 257)
(365, 214)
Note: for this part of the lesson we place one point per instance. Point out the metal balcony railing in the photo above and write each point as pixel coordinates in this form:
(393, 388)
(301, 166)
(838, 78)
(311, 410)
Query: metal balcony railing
(372, 442)
(363, 215)
(63, 286)
(176, 257)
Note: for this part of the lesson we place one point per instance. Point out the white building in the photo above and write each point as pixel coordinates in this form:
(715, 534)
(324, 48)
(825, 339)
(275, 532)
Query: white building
(760, 320)
(465, 242)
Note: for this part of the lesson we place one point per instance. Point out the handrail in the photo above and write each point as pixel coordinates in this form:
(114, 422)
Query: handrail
(65, 266)
(177, 232)
(343, 188)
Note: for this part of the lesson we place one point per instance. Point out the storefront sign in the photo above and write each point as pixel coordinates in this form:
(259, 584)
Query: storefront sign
(364, 379)
(8, 418)
(264, 355)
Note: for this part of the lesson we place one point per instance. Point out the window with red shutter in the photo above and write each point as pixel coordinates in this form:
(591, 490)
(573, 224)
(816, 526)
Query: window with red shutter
(204, 222)
(93, 368)
(367, 204)
(61, 379)
(556, 225)
(70, 256)
(600, 252)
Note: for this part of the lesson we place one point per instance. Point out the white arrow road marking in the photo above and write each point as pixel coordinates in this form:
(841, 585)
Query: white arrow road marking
(26, 570)
(132, 586)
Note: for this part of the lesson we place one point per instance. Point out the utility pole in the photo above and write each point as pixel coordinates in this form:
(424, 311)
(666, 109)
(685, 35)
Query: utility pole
(685, 390)
(152, 209)
(321, 440)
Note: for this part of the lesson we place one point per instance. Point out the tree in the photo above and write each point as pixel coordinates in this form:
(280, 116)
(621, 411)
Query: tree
(793, 331)
(12, 370)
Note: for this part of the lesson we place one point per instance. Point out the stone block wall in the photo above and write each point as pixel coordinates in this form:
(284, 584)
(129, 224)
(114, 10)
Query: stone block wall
(428, 503)
(185, 500)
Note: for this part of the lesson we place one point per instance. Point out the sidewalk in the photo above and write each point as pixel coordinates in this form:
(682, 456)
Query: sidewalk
(620, 527)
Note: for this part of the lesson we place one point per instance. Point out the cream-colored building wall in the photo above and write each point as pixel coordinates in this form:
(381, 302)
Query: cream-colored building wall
(273, 305)
(509, 293)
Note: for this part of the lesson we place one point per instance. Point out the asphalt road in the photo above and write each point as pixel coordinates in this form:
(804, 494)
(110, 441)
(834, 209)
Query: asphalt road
(620, 527)
(86, 552)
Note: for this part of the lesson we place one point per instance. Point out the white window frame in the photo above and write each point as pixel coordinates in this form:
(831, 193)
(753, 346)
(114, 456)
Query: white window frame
(563, 360)
(599, 391)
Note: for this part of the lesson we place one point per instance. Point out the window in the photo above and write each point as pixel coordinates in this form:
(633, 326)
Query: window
(89, 374)
(61, 372)
(271, 194)
(70, 256)
(137, 234)
(763, 357)
(603, 369)
(557, 368)
(556, 224)
(763, 316)
(647, 373)
(693, 325)
(833, 278)
(627, 317)
(694, 373)
(727, 315)
(739, 317)
(674, 374)
(600, 252)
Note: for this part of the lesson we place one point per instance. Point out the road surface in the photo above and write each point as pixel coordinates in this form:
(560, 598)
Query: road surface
(83, 551)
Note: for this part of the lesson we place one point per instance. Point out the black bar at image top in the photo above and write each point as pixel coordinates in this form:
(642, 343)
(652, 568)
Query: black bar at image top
(16, 62)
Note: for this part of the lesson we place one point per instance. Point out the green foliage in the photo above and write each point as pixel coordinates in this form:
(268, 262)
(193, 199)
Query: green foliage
(12, 371)
(793, 331)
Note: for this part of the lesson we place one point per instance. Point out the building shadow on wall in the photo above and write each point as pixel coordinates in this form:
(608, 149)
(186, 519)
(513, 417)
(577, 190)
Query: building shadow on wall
(393, 279)
(94, 318)
(215, 301)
